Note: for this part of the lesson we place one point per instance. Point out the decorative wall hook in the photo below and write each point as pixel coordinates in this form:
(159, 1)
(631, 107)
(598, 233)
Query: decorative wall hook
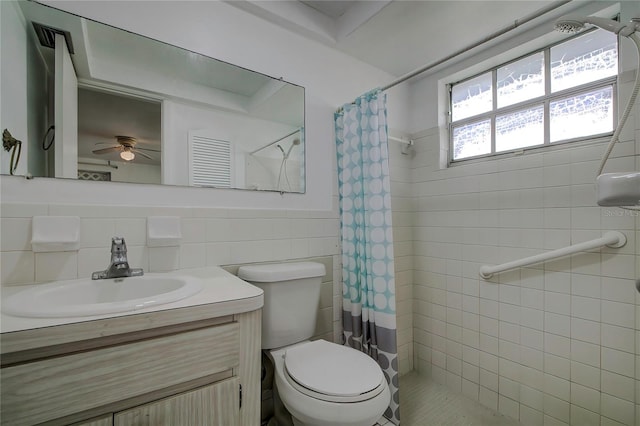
(12, 144)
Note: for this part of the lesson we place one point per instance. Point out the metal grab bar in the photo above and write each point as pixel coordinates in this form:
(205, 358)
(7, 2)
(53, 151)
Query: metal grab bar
(613, 239)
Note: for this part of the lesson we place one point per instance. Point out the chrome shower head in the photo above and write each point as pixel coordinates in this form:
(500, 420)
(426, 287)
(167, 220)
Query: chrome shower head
(575, 23)
(569, 26)
(295, 142)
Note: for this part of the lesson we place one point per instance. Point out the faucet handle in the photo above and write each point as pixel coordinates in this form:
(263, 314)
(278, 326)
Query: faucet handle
(118, 244)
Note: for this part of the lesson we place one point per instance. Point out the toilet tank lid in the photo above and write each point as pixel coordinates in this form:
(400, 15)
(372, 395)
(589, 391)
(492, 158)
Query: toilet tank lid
(281, 271)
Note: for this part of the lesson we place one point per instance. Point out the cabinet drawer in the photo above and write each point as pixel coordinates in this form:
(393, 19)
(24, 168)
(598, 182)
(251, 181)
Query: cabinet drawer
(52, 388)
(212, 405)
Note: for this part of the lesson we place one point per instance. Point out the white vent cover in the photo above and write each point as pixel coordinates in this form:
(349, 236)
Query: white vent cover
(210, 161)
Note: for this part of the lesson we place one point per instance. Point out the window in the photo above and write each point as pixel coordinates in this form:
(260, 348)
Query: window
(561, 93)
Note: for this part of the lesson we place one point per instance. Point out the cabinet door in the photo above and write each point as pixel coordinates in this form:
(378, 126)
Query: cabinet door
(102, 421)
(214, 405)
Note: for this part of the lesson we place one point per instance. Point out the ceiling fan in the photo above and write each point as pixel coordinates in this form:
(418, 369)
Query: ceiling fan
(127, 148)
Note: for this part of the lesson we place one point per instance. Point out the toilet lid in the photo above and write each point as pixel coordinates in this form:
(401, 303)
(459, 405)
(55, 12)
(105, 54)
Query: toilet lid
(333, 372)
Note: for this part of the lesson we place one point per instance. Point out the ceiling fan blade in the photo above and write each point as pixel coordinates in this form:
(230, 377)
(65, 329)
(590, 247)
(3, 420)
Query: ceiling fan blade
(147, 142)
(138, 152)
(147, 149)
(107, 150)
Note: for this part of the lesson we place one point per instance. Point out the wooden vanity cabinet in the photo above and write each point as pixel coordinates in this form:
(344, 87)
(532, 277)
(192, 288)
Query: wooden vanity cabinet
(103, 421)
(204, 372)
(215, 404)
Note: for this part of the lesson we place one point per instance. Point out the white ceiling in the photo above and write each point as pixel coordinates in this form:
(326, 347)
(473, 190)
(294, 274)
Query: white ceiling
(103, 116)
(397, 36)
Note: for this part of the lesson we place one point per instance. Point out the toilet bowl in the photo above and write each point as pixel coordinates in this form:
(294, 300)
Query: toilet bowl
(319, 383)
(322, 383)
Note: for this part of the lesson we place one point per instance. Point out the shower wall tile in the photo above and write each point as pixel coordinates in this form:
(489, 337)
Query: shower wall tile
(617, 409)
(559, 340)
(403, 217)
(531, 417)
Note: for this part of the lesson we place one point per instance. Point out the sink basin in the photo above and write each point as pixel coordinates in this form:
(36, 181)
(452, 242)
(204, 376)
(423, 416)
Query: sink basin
(85, 297)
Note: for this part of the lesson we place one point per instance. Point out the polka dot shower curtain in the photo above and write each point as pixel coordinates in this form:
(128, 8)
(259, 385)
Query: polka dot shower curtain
(368, 287)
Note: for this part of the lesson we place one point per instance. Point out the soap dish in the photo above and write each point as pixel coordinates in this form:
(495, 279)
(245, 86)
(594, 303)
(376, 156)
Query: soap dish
(619, 189)
(55, 233)
(163, 231)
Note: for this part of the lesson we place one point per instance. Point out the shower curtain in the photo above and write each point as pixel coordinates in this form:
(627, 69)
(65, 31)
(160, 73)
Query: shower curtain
(368, 287)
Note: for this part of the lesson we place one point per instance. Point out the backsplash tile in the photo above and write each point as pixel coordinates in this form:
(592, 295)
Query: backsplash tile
(56, 266)
(94, 232)
(16, 234)
(18, 267)
(210, 237)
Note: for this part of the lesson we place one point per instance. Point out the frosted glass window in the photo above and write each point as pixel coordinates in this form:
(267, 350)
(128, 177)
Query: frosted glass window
(472, 97)
(521, 80)
(472, 139)
(520, 129)
(562, 93)
(589, 113)
(590, 57)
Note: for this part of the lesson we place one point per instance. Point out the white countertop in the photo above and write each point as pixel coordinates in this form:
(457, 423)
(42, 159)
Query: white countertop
(226, 293)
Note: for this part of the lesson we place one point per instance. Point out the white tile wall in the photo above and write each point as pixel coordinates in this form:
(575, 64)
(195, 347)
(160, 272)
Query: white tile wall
(402, 201)
(210, 237)
(556, 343)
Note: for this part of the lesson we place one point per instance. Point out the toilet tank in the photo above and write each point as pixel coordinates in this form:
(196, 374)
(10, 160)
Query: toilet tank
(291, 298)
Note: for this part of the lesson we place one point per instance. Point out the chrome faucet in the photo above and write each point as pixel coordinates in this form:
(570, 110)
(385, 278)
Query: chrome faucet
(119, 266)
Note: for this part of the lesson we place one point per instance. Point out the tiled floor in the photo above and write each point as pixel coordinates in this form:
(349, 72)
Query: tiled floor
(425, 402)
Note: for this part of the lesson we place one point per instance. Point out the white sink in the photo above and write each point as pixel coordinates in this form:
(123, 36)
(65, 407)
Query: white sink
(85, 297)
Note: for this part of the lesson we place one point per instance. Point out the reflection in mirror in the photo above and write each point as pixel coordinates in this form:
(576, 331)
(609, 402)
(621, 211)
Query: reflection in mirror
(93, 102)
(119, 137)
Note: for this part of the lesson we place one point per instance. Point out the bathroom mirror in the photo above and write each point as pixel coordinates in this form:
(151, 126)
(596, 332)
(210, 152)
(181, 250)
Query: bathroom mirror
(106, 104)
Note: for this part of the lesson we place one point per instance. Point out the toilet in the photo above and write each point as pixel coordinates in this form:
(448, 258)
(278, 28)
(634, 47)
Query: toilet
(318, 382)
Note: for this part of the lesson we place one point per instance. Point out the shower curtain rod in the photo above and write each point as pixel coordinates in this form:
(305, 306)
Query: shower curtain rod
(401, 140)
(276, 141)
(516, 24)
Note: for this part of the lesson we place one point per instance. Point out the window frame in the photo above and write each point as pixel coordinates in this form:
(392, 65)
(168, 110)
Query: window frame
(544, 100)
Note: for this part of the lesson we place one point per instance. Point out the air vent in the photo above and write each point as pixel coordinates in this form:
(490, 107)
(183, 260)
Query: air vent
(47, 36)
(211, 161)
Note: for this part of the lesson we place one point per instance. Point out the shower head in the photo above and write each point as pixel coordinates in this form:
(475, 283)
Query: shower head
(575, 23)
(295, 142)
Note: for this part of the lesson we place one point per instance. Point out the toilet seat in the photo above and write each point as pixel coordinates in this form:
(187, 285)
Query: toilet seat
(333, 373)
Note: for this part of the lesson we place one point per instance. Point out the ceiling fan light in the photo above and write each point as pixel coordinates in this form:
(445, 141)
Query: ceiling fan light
(127, 155)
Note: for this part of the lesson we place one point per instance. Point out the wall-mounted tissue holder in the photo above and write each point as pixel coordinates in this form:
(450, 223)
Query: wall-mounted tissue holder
(55, 233)
(163, 231)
